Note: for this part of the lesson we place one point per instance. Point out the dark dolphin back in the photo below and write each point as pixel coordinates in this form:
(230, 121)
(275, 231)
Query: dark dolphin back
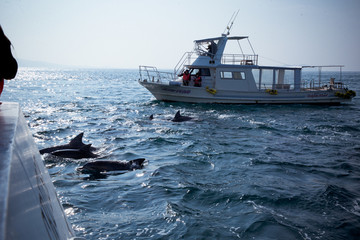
(86, 148)
(75, 143)
(179, 118)
(138, 162)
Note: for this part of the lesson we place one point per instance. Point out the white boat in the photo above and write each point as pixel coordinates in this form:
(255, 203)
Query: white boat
(238, 79)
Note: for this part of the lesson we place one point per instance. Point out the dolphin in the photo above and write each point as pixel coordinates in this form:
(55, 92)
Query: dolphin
(179, 118)
(83, 152)
(75, 143)
(106, 166)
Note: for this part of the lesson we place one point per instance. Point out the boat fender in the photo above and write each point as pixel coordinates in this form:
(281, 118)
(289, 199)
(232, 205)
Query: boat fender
(349, 94)
(211, 90)
(271, 91)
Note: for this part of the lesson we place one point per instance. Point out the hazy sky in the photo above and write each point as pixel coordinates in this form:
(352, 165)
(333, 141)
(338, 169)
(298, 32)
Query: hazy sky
(128, 33)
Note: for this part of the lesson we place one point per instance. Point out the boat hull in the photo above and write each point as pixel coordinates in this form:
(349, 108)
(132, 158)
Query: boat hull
(29, 206)
(163, 92)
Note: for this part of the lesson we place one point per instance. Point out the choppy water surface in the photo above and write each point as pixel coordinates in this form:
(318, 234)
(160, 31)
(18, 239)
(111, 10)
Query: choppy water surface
(236, 171)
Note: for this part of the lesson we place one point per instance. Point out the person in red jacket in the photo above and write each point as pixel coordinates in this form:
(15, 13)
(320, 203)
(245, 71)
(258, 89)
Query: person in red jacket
(197, 80)
(186, 77)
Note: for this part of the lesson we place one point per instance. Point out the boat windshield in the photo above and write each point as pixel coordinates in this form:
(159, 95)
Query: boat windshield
(201, 71)
(206, 48)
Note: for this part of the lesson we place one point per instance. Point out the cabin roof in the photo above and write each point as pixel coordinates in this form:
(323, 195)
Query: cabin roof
(218, 38)
(242, 66)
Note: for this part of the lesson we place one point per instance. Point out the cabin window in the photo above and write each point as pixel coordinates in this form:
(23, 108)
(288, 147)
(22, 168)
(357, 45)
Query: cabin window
(239, 75)
(279, 79)
(202, 71)
(232, 75)
(226, 75)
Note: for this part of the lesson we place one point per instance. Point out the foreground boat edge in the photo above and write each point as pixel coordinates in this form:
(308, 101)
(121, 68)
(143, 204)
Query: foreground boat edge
(29, 206)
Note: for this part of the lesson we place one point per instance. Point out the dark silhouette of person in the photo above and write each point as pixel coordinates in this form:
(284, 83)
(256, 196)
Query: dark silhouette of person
(212, 49)
(8, 64)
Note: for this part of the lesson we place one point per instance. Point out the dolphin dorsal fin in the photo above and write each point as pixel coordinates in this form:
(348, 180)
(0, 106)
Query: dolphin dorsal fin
(177, 115)
(86, 148)
(77, 141)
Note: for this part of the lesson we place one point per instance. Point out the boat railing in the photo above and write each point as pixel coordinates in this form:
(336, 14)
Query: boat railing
(186, 59)
(278, 87)
(306, 85)
(152, 74)
(325, 80)
(311, 85)
(323, 85)
(242, 59)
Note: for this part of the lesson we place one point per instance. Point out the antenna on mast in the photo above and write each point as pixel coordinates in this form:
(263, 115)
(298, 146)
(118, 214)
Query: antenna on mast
(231, 22)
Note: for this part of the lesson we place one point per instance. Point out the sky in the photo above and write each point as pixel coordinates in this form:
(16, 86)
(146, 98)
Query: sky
(126, 34)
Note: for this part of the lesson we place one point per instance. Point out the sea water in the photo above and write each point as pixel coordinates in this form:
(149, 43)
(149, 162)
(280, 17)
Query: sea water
(233, 172)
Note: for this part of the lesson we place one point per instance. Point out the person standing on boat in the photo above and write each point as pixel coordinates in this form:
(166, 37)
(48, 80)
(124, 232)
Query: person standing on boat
(186, 77)
(197, 80)
(212, 49)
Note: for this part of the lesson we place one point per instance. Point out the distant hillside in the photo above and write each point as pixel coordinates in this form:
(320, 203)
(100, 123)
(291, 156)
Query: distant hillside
(39, 64)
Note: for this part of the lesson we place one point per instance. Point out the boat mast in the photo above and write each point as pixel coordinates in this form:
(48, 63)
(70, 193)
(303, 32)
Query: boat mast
(231, 22)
